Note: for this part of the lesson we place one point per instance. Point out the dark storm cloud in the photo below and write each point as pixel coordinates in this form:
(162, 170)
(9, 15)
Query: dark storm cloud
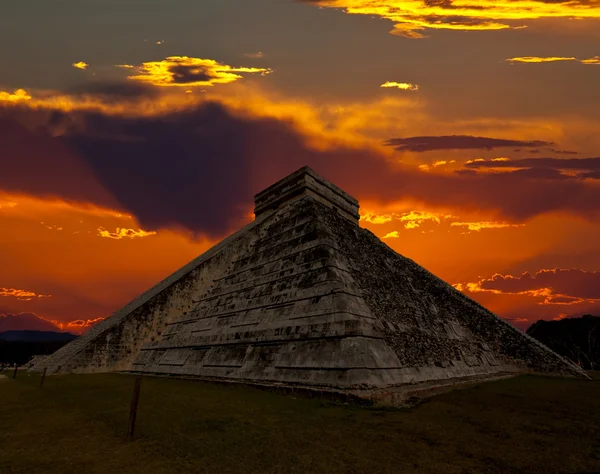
(200, 168)
(458, 142)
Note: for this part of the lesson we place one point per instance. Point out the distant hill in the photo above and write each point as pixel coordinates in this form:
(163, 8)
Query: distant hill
(575, 338)
(24, 321)
(20, 346)
(36, 336)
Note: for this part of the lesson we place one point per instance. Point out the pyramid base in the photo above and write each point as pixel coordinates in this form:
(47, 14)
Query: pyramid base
(400, 395)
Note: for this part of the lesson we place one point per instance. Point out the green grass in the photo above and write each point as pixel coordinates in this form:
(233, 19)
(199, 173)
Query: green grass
(77, 424)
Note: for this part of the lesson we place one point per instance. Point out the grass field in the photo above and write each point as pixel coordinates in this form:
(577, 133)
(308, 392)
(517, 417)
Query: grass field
(77, 424)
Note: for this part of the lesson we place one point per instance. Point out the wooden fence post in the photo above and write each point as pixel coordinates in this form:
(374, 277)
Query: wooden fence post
(134, 406)
(43, 377)
(15, 372)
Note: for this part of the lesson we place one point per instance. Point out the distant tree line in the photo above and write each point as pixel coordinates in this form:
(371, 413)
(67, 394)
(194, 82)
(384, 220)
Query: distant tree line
(575, 338)
(21, 352)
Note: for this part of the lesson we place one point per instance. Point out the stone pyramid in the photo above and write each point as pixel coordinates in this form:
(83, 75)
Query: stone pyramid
(303, 296)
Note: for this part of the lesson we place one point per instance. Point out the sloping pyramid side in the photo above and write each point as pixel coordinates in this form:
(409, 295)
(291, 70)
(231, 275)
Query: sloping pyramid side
(435, 330)
(316, 300)
(287, 311)
(114, 343)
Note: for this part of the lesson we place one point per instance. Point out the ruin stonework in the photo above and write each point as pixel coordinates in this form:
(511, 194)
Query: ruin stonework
(304, 296)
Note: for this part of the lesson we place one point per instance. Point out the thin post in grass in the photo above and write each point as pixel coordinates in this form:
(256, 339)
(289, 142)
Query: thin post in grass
(134, 406)
(43, 377)
(15, 372)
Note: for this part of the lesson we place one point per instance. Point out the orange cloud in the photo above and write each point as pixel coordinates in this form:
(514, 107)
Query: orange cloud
(21, 294)
(123, 233)
(78, 326)
(412, 17)
(182, 71)
(556, 286)
(7, 204)
(80, 65)
(405, 86)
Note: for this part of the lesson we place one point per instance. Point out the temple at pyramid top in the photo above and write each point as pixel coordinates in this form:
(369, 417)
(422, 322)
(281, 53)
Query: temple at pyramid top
(306, 182)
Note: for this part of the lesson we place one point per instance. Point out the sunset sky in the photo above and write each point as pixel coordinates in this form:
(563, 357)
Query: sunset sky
(134, 134)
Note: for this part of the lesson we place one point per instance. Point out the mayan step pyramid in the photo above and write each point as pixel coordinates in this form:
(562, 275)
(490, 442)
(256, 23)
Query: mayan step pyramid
(303, 296)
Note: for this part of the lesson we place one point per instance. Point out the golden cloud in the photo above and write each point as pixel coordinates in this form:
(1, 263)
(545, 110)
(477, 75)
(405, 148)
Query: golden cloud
(123, 233)
(536, 59)
(477, 226)
(20, 95)
(435, 164)
(405, 86)
(182, 71)
(392, 235)
(21, 294)
(549, 59)
(80, 65)
(412, 17)
(594, 60)
(376, 219)
(414, 219)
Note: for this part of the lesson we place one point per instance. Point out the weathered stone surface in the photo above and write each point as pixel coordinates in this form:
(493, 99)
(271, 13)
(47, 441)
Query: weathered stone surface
(303, 295)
